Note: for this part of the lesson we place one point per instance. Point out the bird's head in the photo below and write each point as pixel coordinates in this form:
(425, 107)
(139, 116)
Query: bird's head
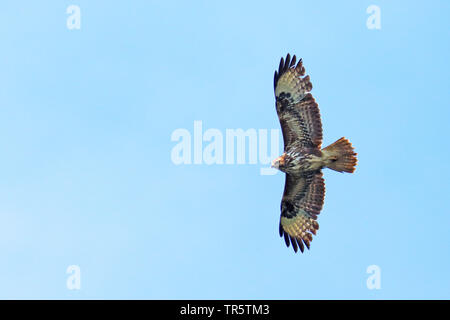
(280, 162)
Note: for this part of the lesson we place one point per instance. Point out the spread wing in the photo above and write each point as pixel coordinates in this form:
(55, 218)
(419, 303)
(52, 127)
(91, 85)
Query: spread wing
(297, 110)
(302, 202)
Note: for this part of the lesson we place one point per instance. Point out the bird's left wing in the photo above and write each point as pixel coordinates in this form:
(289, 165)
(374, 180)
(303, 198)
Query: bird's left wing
(296, 108)
(302, 201)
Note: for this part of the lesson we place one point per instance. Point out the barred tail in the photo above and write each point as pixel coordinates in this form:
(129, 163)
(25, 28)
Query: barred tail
(340, 156)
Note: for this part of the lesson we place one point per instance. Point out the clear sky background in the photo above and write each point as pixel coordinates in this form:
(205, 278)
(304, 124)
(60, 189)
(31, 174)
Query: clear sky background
(87, 179)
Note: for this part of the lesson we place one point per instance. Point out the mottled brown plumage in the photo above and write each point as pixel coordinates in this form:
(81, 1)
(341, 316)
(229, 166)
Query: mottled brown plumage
(303, 159)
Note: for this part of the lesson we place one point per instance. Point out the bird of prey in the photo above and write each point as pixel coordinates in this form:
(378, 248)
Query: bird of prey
(303, 158)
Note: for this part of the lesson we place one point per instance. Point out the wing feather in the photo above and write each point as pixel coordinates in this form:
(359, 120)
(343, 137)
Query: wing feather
(287, 63)
(293, 61)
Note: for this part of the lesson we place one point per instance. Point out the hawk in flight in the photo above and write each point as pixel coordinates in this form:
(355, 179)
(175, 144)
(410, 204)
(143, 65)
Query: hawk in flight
(303, 158)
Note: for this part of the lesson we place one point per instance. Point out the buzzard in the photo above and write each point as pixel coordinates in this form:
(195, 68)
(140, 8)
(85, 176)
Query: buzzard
(303, 158)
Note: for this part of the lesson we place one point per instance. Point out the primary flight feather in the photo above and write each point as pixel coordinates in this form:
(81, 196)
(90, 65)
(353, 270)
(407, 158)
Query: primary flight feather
(303, 159)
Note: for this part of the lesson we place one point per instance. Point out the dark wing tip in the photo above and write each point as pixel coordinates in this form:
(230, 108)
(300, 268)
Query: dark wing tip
(294, 244)
(300, 244)
(275, 79)
(306, 243)
(286, 239)
(294, 58)
(281, 66)
(287, 62)
(285, 65)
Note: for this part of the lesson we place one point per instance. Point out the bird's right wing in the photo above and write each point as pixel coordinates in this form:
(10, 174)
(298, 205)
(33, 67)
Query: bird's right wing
(302, 201)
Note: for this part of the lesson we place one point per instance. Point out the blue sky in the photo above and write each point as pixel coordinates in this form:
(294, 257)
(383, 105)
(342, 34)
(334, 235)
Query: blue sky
(87, 179)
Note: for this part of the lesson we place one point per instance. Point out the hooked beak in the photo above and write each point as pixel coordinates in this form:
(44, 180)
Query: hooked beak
(274, 164)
